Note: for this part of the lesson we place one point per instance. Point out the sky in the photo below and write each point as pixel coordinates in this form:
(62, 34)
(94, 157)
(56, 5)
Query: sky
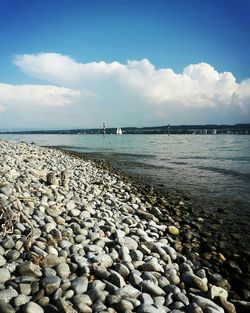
(77, 63)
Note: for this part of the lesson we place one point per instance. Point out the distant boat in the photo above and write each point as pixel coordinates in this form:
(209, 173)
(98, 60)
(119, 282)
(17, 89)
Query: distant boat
(118, 131)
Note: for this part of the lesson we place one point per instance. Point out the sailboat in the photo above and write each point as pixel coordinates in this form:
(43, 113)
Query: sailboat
(118, 131)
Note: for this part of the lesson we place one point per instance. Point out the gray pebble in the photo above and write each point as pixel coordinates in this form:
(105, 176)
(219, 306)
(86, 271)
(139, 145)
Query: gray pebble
(51, 284)
(80, 285)
(151, 288)
(4, 275)
(8, 294)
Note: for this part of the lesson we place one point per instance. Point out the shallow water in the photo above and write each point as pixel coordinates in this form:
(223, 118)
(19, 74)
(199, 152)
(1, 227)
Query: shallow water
(214, 170)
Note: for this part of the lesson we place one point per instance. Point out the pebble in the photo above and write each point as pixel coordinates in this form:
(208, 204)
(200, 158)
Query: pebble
(4, 275)
(80, 285)
(63, 270)
(51, 284)
(32, 307)
(151, 288)
(8, 294)
(97, 244)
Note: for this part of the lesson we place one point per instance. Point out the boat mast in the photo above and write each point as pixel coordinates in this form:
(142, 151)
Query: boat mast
(103, 128)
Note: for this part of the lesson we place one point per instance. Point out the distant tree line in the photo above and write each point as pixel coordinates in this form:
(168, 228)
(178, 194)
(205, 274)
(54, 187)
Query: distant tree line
(175, 129)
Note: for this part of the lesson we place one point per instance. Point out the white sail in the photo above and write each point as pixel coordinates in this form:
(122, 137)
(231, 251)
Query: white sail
(119, 131)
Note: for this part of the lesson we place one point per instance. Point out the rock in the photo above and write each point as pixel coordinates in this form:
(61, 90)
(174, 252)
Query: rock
(32, 307)
(229, 307)
(65, 179)
(121, 269)
(151, 265)
(21, 300)
(151, 288)
(128, 292)
(4, 275)
(206, 304)
(148, 309)
(65, 306)
(6, 190)
(24, 289)
(124, 253)
(130, 243)
(146, 299)
(63, 270)
(80, 285)
(8, 243)
(195, 281)
(51, 179)
(116, 279)
(2, 261)
(124, 306)
(7, 294)
(215, 291)
(5, 307)
(54, 211)
(28, 268)
(51, 284)
(174, 231)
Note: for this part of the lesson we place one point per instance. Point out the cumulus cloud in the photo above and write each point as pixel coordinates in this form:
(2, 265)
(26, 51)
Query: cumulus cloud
(138, 92)
(30, 103)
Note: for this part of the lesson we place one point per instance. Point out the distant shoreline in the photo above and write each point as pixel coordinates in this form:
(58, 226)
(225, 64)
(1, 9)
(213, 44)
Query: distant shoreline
(240, 129)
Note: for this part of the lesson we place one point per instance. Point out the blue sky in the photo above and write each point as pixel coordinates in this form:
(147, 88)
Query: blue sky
(210, 39)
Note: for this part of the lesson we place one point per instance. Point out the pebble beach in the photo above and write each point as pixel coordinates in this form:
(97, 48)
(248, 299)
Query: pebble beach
(77, 237)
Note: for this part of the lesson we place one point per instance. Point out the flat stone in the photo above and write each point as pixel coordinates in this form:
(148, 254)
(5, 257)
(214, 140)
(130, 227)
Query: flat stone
(4, 275)
(130, 243)
(128, 291)
(51, 284)
(80, 285)
(125, 306)
(215, 291)
(7, 294)
(21, 300)
(152, 265)
(28, 268)
(32, 307)
(151, 288)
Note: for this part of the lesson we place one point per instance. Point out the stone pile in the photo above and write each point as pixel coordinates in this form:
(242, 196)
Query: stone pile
(77, 238)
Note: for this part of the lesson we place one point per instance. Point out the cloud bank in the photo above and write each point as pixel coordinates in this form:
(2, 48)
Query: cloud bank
(135, 93)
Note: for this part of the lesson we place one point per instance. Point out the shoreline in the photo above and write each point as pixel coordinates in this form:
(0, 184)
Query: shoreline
(222, 255)
(104, 215)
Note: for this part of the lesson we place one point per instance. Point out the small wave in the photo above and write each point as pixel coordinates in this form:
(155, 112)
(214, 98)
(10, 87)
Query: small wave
(224, 171)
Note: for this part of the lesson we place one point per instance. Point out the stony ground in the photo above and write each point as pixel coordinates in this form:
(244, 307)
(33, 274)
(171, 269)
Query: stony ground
(78, 238)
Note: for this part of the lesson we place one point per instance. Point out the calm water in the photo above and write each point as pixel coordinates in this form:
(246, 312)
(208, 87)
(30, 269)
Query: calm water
(214, 170)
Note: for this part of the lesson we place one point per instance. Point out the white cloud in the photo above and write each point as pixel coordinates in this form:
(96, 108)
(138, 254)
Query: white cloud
(137, 92)
(39, 95)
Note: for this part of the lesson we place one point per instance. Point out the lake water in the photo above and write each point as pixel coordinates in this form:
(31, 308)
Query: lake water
(213, 170)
